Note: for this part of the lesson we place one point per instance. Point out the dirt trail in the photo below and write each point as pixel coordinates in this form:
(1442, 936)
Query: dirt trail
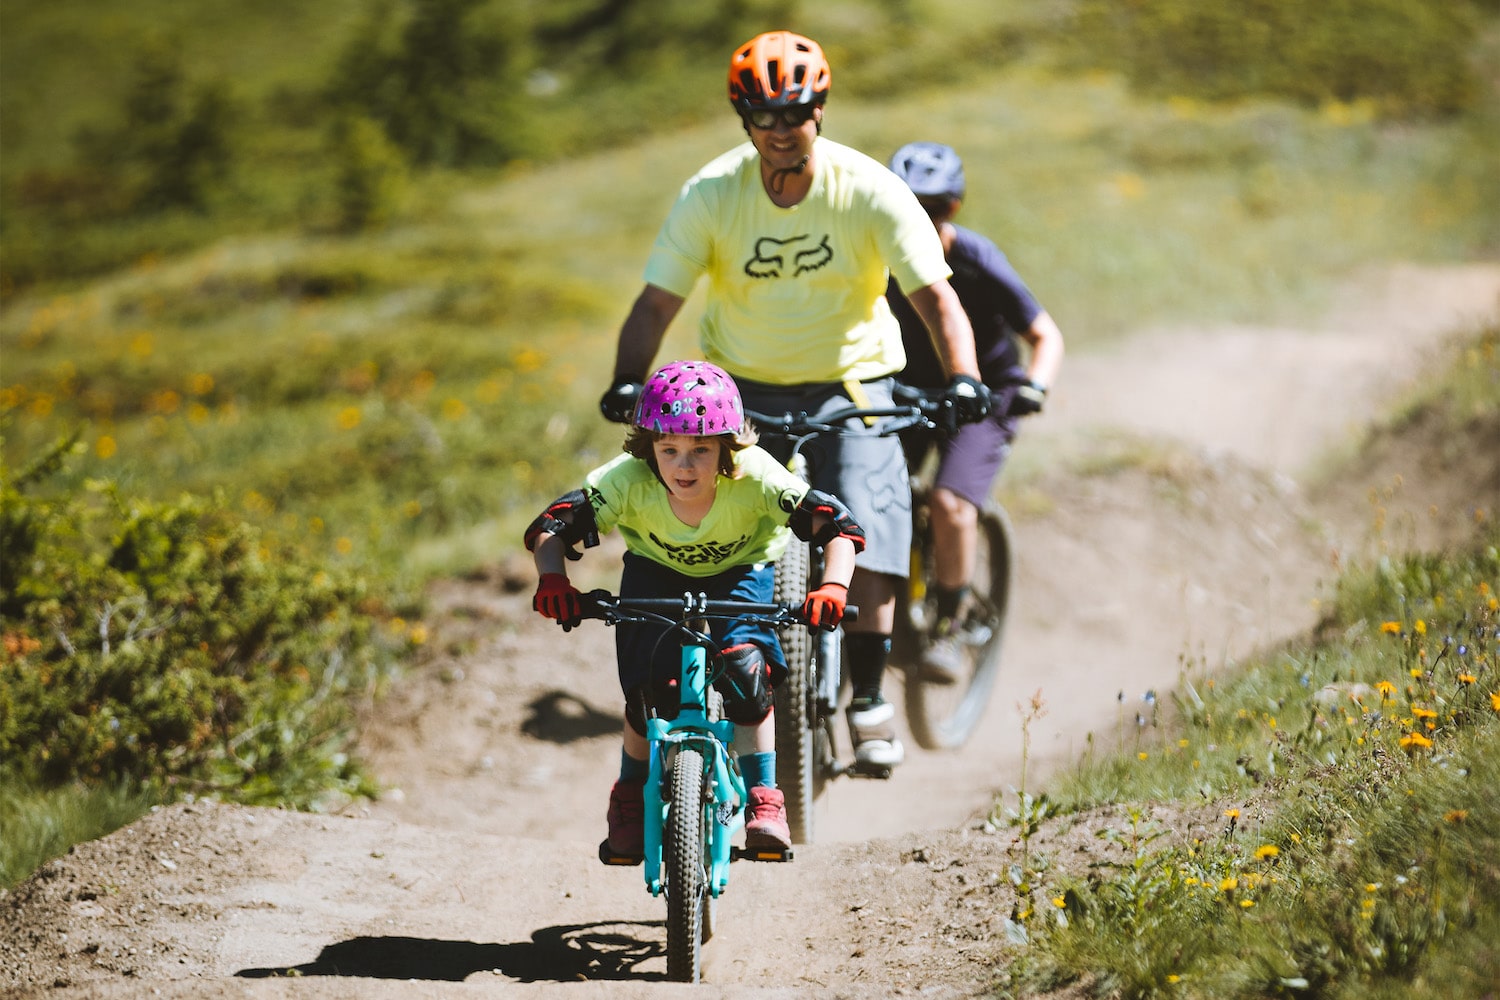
(476, 877)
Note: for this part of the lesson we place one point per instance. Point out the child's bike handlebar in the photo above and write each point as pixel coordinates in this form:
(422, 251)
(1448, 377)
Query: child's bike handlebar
(613, 610)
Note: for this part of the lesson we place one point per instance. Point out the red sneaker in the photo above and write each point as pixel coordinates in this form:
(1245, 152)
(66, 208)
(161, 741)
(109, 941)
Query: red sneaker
(765, 820)
(627, 817)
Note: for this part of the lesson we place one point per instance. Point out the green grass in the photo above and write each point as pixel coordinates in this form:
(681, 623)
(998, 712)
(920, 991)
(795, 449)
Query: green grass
(1350, 777)
(400, 401)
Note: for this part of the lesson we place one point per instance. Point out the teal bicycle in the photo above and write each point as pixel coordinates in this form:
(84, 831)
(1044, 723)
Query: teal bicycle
(695, 794)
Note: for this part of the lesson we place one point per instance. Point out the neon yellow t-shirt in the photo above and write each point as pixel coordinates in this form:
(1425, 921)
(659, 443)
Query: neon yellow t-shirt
(798, 294)
(746, 526)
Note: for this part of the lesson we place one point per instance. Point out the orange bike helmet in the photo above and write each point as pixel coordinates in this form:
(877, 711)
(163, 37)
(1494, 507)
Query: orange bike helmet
(776, 70)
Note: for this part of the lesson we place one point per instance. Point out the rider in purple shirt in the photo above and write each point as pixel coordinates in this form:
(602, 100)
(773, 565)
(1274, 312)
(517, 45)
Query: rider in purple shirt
(1002, 311)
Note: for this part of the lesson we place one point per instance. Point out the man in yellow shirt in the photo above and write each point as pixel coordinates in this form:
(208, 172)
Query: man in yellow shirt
(797, 236)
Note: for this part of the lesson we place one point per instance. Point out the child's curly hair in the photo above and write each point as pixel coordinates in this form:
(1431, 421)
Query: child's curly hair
(639, 442)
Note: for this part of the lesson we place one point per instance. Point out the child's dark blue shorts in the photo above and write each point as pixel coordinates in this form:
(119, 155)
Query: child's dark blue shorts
(653, 653)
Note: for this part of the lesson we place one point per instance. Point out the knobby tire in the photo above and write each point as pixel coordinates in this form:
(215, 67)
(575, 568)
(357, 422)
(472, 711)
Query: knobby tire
(943, 717)
(686, 864)
(794, 698)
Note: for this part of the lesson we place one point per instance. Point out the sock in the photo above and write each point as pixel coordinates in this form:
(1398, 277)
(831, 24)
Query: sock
(759, 769)
(949, 601)
(632, 769)
(865, 654)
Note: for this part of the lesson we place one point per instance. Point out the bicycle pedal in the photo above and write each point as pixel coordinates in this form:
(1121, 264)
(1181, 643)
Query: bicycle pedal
(877, 772)
(618, 858)
(763, 853)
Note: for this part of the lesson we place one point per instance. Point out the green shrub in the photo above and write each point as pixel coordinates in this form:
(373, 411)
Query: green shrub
(171, 645)
(1407, 57)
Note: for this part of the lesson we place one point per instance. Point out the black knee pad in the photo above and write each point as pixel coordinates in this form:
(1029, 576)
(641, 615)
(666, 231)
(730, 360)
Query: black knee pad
(745, 682)
(660, 699)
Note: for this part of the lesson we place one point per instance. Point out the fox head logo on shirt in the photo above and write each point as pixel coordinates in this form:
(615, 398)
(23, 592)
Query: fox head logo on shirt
(770, 258)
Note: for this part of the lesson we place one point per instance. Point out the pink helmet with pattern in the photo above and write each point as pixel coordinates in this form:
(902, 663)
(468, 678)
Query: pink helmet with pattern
(692, 398)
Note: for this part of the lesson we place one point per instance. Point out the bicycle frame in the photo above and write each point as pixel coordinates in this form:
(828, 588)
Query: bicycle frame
(712, 738)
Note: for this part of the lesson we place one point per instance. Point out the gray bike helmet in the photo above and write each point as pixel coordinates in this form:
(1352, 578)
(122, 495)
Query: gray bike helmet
(930, 169)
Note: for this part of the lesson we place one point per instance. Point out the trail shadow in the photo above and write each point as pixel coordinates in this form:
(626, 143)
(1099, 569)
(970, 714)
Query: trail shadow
(606, 951)
(560, 717)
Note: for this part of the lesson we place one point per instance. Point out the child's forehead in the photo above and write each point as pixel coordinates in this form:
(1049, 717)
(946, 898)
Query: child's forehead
(687, 440)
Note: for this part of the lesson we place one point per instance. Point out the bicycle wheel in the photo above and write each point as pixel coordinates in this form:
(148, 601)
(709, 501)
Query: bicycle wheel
(943, 716)
(686, 868)
(794, 716)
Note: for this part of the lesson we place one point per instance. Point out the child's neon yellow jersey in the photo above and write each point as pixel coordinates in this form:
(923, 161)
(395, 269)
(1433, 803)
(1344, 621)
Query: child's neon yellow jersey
(747, 524)
(798, 294)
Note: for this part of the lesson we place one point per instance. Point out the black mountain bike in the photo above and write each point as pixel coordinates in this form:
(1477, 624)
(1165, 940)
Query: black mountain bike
(941, 716)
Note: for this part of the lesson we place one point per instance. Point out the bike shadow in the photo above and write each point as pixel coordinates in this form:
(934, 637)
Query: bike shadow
(561, 717)
(560, 954)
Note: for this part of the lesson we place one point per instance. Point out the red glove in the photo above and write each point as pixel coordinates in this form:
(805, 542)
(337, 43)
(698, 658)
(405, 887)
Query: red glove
(824, 607)
(558, 599)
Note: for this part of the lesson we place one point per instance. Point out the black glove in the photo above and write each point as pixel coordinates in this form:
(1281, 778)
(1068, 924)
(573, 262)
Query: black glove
(969, 398)
(618, 404)
(1028, 399)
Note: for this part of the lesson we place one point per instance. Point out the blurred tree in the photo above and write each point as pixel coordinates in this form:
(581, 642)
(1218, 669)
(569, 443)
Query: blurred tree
(370, 174)
(172, 146)
(445, 84)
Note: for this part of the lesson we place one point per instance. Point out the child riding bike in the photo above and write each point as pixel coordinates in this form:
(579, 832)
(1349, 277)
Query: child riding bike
(702, 509)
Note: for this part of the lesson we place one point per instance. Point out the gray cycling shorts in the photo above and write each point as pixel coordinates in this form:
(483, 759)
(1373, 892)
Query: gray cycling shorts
(865, 471)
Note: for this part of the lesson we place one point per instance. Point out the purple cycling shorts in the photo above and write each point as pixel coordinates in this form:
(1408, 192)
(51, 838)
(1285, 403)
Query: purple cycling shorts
(969, 461)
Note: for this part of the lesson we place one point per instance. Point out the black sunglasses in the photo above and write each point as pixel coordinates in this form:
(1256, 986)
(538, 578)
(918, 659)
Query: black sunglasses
(793, 116)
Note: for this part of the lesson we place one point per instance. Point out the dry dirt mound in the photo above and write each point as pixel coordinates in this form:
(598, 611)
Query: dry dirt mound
(475, 876)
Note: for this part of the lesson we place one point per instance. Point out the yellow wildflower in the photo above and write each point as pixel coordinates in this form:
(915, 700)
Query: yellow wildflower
(1391, 628)
(1415, 740)
(1386, 689)
(1267, 851)
(1467, 678)
(1232, 813)
(1229, 884)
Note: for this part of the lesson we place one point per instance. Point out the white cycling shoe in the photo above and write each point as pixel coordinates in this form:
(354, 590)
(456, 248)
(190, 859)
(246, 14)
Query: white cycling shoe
(872, 730)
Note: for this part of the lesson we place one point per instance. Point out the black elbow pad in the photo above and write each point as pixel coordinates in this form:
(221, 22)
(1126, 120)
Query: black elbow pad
(571, 517)
(842, 526)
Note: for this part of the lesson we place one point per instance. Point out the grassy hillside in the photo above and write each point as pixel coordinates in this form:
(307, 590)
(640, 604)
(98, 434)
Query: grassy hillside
(257, 299)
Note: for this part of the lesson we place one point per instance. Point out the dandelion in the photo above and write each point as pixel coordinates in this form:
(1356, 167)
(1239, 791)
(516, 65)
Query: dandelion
(1423, 713)
(1391, 628)
(1060, 902)
(1232, 813)
(1372, 887)
(1420, 627)
(1130, 186)
(1182, 743)
(1247, 903)
(1414, 741)
(1174, 978)
(1229, 884)
(1267, 851)
(1143, 755)
(1386, 689)
(1467, 678)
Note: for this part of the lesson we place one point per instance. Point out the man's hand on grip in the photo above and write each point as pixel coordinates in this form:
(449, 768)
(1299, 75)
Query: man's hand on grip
(558, 599)
(824, 607)
(969, 397)
(618, 404)
(1028, 399)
